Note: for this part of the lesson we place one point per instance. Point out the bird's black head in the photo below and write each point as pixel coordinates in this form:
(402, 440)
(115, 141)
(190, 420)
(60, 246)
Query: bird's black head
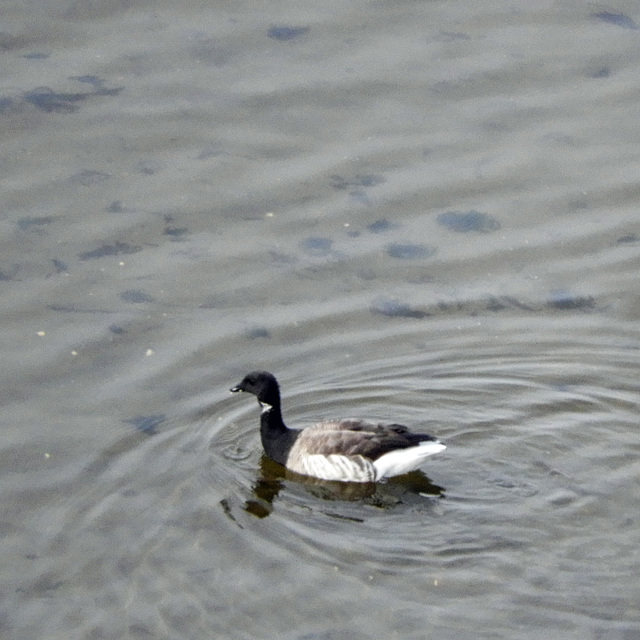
(263, 385)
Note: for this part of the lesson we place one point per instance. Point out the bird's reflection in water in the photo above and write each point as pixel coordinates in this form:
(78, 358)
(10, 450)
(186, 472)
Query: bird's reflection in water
(384, 495)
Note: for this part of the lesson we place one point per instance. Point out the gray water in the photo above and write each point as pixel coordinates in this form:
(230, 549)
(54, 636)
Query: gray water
(423, 212)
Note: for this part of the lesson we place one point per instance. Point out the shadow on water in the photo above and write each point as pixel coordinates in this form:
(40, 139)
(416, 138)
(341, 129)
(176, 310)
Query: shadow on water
(271, 482)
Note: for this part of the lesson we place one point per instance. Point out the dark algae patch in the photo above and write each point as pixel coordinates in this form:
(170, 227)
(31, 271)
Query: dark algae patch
(358, 181)
(317, 246)
(628, 239)
(565, 301)
(382, 226)
(255, 333)
(393, 308)
(7, 104)
(559, 301)
(89, 177)
(116, 207)
(469, 221)
(146, 424)
(600, 72)
(50, 101)
(117, 249)
(284, 33)
(97, 83)
(6, 277)
(35, 221)
(175, 233)
(617, 19)
(60, 266)
(409, 251)
(136, 296)
(506, 302)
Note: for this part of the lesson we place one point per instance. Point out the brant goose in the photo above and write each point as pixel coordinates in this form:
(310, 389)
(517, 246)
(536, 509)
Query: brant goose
(345, 450)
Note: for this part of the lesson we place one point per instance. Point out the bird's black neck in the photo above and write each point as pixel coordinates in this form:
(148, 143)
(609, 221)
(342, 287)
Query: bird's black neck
(276, 437)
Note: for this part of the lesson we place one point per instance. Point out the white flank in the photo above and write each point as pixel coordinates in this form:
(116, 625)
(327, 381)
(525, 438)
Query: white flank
(401, 461)
(337, 467)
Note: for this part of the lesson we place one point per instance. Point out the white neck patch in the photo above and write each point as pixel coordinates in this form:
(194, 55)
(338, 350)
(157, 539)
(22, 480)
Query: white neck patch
(265, 407)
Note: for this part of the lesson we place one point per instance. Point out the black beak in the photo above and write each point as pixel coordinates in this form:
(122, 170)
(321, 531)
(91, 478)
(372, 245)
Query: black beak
(235, 389)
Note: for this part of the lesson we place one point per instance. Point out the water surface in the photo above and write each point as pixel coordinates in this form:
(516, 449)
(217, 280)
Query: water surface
(417, 212)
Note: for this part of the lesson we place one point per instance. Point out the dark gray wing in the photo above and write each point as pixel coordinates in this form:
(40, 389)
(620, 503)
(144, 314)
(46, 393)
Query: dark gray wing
(355, 438)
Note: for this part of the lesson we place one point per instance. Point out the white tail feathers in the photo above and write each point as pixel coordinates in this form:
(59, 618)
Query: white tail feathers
(401, 461)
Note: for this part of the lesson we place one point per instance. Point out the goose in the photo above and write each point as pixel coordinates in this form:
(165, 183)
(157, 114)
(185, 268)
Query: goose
(345, 450)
